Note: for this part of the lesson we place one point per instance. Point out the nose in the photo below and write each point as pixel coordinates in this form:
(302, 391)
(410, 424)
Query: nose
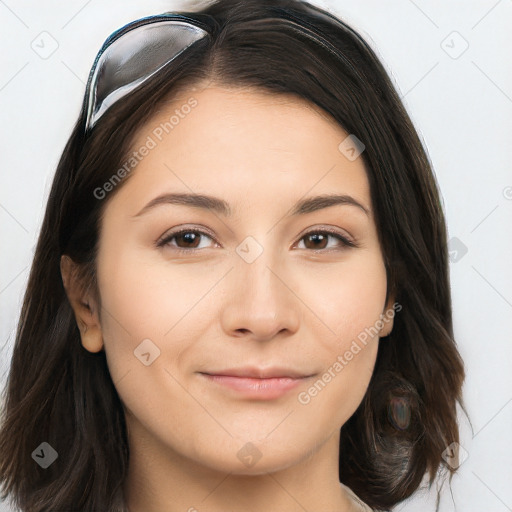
(260, 300)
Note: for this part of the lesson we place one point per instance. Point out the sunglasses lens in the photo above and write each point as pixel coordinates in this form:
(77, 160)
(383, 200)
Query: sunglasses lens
(135, 57)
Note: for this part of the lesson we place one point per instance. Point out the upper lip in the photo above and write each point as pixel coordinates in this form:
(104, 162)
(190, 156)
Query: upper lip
(261, 373)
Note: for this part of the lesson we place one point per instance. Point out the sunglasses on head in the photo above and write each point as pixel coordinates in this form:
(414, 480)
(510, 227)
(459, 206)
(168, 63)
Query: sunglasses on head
(133, 54)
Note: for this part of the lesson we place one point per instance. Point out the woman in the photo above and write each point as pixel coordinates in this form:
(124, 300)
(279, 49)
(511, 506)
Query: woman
(240, 296)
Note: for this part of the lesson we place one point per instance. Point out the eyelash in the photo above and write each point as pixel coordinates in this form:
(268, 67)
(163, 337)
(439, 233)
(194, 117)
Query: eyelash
(167, 238)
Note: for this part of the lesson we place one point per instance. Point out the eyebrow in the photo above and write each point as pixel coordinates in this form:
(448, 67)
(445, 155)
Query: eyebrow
(205, 202)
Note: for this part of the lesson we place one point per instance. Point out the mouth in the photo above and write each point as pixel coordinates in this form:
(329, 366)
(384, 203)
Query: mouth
(256, 383)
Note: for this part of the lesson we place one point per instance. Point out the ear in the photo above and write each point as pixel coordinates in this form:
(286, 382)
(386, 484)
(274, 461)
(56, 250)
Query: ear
(84, 306)
(388, 316)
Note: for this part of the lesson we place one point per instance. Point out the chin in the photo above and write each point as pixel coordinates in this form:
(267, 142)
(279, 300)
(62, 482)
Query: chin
(251, 458)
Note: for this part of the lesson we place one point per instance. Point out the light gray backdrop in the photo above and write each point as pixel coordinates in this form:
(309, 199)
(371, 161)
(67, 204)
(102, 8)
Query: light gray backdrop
(451, 63)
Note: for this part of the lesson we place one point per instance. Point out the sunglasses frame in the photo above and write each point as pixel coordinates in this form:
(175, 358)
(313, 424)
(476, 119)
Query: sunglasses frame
(102, 90)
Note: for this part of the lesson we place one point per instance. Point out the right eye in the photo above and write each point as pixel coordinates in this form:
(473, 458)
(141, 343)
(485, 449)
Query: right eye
(186, 240)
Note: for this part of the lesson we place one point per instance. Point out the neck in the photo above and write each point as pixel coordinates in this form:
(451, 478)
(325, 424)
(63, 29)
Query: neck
(160, 479)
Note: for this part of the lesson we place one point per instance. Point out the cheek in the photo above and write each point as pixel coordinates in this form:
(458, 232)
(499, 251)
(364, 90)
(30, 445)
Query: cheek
(362, 301)
(348, 298)
(168, 304)
(141, 303)
(333, 397)
(349, 306)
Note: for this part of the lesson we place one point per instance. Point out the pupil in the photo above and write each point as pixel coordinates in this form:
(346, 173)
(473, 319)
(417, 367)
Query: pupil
(189, 237)
(317, 238)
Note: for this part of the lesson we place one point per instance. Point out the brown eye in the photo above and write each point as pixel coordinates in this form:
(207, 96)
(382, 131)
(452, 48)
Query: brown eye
(184, 240)
(319, 240)
(189, 238)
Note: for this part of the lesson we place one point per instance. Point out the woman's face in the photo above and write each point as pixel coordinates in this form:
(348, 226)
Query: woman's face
(253, 284)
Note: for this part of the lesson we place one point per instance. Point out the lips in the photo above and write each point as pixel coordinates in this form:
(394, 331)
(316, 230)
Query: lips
(253, 372)
(257, 383)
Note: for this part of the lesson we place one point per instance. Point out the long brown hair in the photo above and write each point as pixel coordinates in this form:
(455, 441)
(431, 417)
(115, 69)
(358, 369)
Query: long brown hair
(59, 393)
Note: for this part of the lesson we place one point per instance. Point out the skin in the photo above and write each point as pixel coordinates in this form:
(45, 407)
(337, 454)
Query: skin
(210, 309)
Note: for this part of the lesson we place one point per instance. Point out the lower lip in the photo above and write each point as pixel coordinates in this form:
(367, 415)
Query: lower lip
(260, 389)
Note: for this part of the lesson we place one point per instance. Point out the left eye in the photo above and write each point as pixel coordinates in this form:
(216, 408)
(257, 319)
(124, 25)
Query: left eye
(191, 238)
(319, 237)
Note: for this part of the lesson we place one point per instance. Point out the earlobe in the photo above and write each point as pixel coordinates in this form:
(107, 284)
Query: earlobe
(83, 306)
(388, 327)
(387, 317)
(92, 339)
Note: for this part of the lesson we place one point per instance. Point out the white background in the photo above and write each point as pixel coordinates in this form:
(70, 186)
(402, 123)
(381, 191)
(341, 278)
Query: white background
(460, 102)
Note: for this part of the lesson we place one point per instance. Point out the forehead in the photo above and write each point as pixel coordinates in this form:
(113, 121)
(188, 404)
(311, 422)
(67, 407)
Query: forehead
(243, 144)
